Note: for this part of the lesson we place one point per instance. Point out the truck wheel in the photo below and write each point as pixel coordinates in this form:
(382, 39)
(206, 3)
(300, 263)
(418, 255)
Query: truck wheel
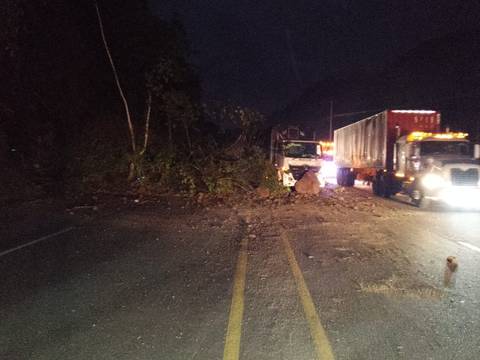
(395, 187)
(350, 179)
(378, 187)
(340, 177)
(387, 192)
(381, 186)
(419, 200)
(345, 177)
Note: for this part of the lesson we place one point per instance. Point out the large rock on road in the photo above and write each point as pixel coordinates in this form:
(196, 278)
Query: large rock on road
(308, 184)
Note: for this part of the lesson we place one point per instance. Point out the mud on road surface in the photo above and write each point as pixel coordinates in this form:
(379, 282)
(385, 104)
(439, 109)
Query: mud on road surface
(343, 275)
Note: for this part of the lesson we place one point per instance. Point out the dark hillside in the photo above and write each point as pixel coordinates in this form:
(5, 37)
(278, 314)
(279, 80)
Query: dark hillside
(442, 74)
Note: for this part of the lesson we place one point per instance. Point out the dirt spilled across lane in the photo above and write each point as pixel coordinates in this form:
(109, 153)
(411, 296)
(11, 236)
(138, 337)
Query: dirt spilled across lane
(375, 300)
(361, 275)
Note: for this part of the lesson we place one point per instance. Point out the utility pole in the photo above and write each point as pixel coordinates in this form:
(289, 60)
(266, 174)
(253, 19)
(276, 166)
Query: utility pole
(331, 121)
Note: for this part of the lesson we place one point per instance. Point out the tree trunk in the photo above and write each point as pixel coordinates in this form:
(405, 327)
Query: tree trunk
(131, 171)
(147, 123)
(187, 135)
(117, 82)
(170, 135)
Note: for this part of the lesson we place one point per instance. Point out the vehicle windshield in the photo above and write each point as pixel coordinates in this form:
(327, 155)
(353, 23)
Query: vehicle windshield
(445, 148)
(300, 150)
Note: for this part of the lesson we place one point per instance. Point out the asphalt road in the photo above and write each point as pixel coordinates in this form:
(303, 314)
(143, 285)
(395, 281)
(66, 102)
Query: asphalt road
(343, 276)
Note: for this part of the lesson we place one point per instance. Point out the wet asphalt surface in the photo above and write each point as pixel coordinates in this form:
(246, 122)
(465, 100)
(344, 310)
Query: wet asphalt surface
(155, 281)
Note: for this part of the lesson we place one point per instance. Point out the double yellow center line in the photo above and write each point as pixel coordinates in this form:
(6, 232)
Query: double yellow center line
(234, 330)
(319, 336)
(323, 348)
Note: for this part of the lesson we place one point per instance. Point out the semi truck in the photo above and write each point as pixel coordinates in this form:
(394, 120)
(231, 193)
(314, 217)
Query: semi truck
(293, 152)
(404, 151)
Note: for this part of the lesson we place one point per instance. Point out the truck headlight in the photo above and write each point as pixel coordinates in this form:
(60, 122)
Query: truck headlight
(329, 170)
(433, 181)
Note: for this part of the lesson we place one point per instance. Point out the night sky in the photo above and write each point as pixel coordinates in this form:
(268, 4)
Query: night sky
(264, 53)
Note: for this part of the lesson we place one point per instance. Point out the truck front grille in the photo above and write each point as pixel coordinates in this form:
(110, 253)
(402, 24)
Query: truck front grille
(464, 177)
(298, 171)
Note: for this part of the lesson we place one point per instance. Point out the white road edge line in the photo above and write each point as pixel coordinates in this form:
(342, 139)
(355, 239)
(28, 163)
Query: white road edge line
(470, 246)
(43, 238)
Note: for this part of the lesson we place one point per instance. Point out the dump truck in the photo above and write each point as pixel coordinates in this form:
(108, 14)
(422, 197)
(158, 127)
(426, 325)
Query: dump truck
(404, 151)
(293, 152)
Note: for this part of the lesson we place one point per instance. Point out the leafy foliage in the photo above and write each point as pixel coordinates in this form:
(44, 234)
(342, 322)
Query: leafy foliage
(64, 118)
(270, 180)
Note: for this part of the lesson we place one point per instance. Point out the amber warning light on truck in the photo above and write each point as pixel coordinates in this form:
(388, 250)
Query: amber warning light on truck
(329, 169)
(421, 135)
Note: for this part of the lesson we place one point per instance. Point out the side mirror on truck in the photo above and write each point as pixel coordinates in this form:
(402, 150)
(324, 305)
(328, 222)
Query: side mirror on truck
(476, 151)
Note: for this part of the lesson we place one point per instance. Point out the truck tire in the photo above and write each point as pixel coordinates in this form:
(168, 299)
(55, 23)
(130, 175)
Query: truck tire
(350, 179)
(395, 187)
(419, 200)
(345, 177)
(340, 177)
(381, 186)
(387, 193)
(376, 189)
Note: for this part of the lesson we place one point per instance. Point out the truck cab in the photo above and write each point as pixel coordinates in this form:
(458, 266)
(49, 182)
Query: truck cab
(293, 156)
(437, 166)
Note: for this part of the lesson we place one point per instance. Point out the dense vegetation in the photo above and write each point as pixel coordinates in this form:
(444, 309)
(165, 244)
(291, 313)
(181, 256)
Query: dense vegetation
(65, 129)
